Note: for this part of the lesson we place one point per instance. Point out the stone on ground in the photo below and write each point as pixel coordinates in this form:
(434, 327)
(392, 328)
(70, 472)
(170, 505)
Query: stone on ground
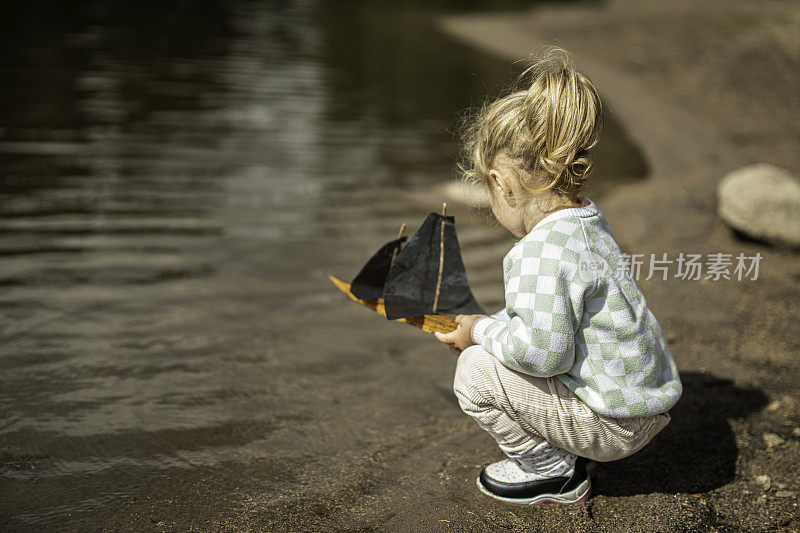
(762, 201)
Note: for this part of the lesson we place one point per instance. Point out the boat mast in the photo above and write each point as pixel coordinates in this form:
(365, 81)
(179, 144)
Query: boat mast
(441, 259)
(397, 248)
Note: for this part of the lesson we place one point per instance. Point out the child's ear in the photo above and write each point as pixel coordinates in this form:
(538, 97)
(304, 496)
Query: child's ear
(500, 183)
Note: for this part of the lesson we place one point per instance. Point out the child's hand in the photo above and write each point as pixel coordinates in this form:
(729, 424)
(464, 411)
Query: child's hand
(460, 339)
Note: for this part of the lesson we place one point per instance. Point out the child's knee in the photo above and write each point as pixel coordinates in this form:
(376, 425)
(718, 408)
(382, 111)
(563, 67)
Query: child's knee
(472, 374)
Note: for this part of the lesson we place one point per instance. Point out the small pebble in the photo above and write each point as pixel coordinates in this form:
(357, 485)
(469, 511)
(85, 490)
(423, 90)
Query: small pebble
(784, 494)
(771, 439)
(796, 432)
(763, 481)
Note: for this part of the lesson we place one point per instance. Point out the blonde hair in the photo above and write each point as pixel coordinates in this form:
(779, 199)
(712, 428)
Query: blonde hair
(545, 130)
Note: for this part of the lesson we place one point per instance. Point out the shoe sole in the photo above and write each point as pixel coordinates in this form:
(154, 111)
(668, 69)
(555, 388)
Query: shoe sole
(579, 494)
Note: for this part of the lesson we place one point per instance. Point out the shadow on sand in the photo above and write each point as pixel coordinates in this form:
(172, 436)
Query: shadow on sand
(696, 452)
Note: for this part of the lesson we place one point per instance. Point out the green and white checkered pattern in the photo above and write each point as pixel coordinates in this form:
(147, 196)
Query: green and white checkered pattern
(597, 335)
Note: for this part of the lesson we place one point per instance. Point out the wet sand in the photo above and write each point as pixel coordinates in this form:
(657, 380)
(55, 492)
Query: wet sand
(322, 430)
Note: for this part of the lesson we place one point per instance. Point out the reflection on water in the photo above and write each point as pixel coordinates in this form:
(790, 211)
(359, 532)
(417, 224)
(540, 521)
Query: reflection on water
(176, 181)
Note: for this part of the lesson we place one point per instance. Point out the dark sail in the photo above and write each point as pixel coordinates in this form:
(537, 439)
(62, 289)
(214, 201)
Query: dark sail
(410, 288)
(368, 284)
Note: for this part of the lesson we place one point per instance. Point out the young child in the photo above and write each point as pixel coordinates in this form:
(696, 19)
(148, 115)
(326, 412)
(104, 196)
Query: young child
(575, 366)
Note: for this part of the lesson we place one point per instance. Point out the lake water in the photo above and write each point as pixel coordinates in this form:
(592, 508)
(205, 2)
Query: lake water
(176, 183)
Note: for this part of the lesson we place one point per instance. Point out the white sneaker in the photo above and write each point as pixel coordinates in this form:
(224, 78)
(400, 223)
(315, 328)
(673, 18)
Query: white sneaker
(547, 475)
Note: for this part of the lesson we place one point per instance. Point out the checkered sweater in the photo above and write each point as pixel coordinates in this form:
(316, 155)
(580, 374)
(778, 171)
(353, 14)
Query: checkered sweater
(591, 328)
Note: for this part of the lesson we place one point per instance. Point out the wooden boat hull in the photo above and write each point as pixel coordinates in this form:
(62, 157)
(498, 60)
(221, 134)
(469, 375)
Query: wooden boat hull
(428, 323)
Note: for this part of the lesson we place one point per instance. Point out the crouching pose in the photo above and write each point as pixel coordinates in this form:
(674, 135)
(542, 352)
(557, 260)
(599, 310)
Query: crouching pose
(575, 367)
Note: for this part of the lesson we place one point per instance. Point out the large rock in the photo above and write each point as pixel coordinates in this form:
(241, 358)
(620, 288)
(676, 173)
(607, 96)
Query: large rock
(763, 202)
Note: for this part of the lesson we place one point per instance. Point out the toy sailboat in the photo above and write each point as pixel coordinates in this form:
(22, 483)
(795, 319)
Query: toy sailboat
(419, 282)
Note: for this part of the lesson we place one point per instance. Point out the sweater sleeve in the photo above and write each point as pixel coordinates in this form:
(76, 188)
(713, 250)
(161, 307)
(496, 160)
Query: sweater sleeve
(501, 315)
(544, 300)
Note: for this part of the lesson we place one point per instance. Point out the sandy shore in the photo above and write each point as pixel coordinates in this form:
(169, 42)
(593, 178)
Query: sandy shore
(703, 88)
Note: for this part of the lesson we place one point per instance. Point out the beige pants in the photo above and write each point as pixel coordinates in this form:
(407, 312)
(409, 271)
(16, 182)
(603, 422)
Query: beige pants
(520, 411)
